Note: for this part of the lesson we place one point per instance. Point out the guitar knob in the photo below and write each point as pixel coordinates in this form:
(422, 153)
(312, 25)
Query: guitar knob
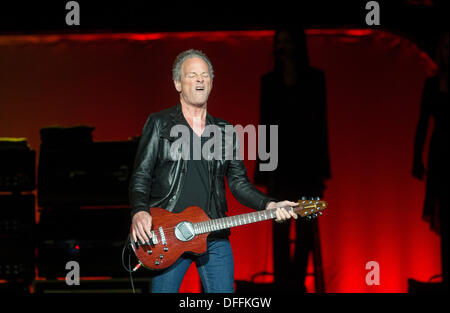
(161, 256)
(166, 249)
(149, 251)
(320, 213)
(156, 262)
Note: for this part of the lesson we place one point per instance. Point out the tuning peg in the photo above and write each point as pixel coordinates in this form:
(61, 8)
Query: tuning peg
(304, 198)
(314, 215)
(318, 198)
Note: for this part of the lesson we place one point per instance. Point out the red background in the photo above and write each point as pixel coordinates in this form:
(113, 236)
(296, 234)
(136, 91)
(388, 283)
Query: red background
(374, 81)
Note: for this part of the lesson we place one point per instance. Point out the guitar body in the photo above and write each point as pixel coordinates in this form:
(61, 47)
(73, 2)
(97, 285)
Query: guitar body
(176, 233)
(166, 227)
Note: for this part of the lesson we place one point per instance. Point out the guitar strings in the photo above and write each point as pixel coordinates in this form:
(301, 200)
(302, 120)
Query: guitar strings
(171, 234)
(210, 221)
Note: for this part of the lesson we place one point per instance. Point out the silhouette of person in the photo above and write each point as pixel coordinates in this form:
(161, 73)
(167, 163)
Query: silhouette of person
(293, 96)
(435, 105)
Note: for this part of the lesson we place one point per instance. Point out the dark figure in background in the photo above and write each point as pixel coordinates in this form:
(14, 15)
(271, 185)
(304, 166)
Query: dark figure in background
(435, 104)
(293, 96)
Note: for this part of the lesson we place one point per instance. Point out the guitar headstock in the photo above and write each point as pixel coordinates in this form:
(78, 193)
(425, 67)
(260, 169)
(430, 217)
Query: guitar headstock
(310, 208)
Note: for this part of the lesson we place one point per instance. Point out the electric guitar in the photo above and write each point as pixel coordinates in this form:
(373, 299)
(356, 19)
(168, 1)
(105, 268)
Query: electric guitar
(176, 233)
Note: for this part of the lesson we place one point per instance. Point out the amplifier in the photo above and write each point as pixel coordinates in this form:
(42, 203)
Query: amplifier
(95, 257)
(92, 237)
(17, 259)
(17, 165)
(64, 223)
(17, 216)
(90, 174)
(17, 222)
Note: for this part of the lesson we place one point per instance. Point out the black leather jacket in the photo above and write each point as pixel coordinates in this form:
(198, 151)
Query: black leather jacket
(157, 179)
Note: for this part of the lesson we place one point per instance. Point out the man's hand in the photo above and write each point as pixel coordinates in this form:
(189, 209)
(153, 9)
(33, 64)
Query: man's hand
(141, 226)
(281, 213)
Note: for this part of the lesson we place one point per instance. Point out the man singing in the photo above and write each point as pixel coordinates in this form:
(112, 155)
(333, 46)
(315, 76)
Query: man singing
(159, 180)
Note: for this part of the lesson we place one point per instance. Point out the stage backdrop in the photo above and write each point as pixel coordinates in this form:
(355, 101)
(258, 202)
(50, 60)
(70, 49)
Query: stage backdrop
(374, 81)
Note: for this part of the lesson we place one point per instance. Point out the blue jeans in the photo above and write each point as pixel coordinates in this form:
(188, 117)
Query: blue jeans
(215, 267)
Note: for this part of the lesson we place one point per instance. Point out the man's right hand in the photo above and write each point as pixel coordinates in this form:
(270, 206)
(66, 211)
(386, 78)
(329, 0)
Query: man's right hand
(141, 226)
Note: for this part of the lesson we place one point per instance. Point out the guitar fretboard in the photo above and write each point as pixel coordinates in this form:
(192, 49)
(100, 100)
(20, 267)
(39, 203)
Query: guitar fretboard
(233, 221)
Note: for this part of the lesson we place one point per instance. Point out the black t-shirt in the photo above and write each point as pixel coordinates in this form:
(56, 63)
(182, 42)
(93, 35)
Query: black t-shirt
(196, 189)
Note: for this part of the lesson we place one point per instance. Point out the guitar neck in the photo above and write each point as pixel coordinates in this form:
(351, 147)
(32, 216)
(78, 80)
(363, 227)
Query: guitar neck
(236, 220)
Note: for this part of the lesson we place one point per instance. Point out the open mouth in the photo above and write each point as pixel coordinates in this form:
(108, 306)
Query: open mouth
(199, 88)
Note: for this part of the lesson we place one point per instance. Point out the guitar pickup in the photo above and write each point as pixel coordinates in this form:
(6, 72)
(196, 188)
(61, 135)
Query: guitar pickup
(163, 237)
(154, 239)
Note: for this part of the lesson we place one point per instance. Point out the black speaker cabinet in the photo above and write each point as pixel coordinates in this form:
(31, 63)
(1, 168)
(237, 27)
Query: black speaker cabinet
(85, 174)
(17, 166)
(92, 237)
(17, 236)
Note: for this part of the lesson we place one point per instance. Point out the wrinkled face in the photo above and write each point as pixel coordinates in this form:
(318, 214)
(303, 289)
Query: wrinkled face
(196, 82)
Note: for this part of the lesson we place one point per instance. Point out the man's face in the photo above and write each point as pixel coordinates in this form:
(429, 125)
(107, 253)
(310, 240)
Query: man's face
(196, 82)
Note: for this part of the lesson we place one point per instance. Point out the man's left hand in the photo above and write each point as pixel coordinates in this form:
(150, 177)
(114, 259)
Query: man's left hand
(281, 213)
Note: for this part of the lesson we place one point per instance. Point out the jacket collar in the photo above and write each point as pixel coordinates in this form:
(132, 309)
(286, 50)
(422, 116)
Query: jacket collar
(177, 116)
